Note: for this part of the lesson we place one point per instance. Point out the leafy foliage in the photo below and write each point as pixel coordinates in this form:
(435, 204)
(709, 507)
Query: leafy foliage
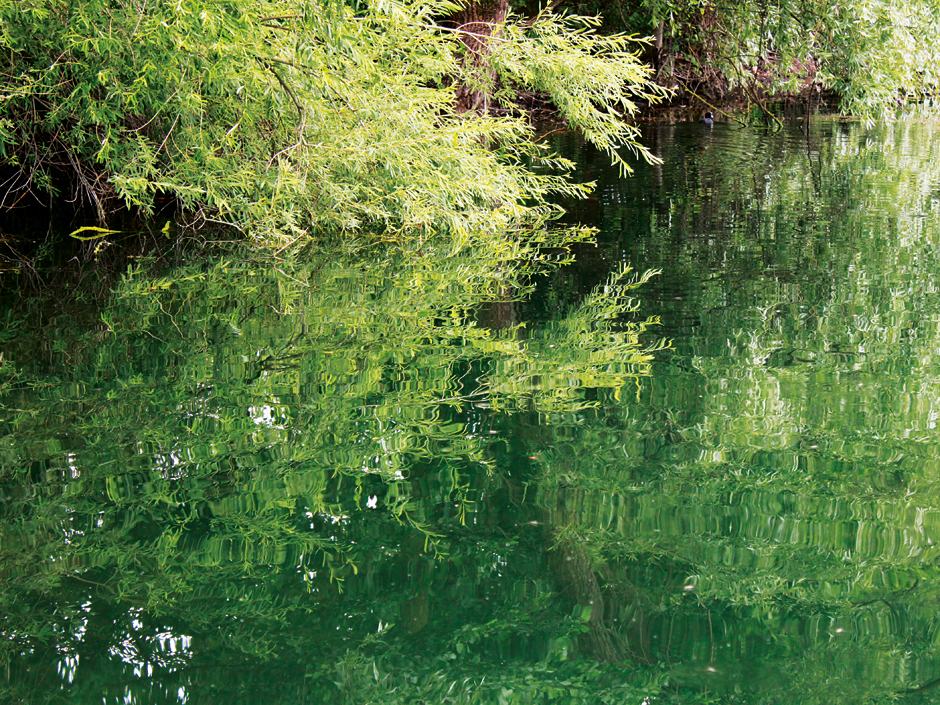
(293, 119)
(875, 55)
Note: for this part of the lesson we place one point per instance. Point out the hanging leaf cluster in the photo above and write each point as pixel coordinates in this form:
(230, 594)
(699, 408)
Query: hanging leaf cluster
(292, 118)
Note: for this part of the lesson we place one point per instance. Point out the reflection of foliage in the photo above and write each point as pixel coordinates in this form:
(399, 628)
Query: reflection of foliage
(780, 473)
(234, 449)
(591, 348)
(522, 684)
(318, 482)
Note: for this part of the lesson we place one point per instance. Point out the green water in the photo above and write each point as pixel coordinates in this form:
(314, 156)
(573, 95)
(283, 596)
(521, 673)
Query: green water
(405, 478)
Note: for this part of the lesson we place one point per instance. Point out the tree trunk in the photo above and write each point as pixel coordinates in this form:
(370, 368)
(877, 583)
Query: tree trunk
(478, 24)
(575, 575)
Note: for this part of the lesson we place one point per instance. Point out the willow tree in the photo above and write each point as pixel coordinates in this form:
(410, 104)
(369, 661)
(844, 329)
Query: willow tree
(477, 26)
(292, 119)
(874, 55)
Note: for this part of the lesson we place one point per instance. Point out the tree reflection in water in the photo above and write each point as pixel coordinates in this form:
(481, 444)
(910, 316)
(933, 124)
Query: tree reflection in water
(345, 481)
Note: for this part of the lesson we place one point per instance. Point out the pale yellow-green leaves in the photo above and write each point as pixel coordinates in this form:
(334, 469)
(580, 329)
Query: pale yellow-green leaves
(595, 80)
(297, 119)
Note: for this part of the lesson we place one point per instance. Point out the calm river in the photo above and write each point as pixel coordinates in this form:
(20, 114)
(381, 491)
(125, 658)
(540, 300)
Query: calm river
(396, 479)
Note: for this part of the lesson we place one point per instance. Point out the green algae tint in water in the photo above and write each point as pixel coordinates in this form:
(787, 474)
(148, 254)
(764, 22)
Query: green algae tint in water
(785, 453)
(357, 482)
(259, 481)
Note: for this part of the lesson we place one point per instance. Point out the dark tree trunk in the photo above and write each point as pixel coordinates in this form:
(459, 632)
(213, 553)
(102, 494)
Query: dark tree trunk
(605, 639)
(478, 24)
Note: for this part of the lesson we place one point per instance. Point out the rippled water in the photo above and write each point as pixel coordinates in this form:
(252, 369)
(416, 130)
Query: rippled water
(361, 482)
(796, 419)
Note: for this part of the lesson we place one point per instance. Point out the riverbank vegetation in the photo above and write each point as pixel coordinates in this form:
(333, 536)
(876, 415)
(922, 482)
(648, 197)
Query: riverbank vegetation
(400, 121)
(292, 121)
(870, 56)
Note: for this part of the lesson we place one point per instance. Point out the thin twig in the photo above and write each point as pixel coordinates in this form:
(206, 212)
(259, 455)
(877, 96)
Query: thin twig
(167, 136)
(717, 110)
(532, 20)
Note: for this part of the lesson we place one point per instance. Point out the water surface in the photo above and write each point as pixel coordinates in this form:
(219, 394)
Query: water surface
(395, 479)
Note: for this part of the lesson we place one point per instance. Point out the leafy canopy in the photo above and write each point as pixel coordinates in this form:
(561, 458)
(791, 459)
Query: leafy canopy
(289, 118)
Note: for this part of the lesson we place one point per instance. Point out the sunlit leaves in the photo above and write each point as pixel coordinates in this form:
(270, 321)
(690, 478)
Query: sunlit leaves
(562, 58)
(296, 120)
